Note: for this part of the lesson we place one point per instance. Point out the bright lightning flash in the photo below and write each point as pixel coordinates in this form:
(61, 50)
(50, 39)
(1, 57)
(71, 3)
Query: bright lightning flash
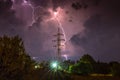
(58, 16)
(65, 56)
(55, 14)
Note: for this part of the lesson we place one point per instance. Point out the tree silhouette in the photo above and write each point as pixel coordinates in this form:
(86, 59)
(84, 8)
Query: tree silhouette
(115, 68)
(84, 66)
(14, 62)
(88, 59)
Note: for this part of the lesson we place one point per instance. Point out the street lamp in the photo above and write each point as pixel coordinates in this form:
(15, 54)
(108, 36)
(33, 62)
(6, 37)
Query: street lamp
(54, 65)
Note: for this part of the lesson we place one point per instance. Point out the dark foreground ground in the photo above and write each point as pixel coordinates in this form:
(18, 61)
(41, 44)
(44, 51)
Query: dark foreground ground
(94, 78)
(60, 75)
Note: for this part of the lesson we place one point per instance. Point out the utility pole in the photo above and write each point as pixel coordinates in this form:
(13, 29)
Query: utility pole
(59, 44)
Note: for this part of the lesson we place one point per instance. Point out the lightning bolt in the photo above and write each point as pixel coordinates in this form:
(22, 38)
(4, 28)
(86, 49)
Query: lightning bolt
(27, 2)
(59, 22)
(56, 17)
(60, 25)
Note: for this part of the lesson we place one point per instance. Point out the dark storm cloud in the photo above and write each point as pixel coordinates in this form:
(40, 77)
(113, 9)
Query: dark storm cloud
(9, 24)
(102, 34)
(43, 3)
(5, 5)
(40, 13)
(49, 3)
(61, 3)
(84, 4)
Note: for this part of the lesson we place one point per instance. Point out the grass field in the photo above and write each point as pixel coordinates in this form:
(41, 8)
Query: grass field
(75, 77)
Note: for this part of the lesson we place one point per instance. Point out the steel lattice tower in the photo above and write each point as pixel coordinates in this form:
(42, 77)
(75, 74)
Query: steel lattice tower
(58, 45)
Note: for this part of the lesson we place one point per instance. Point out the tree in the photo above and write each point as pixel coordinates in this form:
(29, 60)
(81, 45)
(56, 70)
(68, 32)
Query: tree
(84, 66)
(14, 62)
(87, 58)
(81, 68)
(102, 68)
(115, 68)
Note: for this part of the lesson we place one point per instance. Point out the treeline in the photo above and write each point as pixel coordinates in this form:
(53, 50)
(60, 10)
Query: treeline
(15, 63)
(87, 66)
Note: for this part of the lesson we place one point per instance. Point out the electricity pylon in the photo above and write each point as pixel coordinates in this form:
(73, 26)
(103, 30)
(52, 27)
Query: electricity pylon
(59, 44)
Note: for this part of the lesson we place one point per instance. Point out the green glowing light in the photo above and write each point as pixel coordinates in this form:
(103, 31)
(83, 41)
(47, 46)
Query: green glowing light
(54, 65)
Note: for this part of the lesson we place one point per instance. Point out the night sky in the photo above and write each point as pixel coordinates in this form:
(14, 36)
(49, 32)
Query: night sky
(90, 27)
